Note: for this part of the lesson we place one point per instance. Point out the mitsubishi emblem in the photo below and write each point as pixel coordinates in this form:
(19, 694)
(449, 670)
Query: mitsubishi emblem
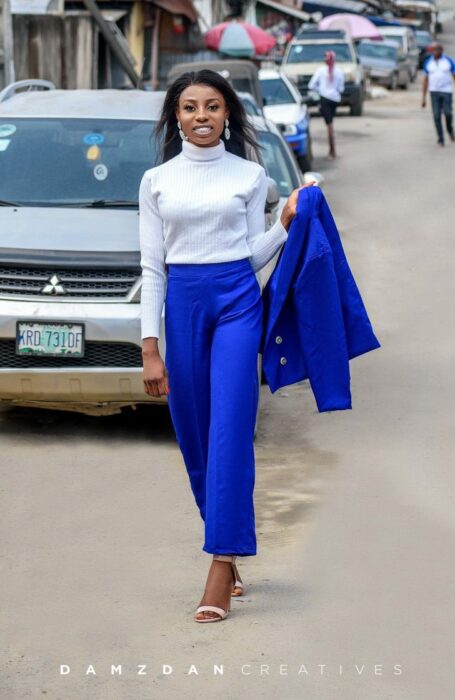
(53, 286)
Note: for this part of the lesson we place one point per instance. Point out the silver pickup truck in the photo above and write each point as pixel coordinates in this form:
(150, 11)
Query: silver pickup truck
(70, 166)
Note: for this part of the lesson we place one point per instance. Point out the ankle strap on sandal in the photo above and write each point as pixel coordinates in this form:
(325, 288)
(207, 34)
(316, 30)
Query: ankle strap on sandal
(225, 557)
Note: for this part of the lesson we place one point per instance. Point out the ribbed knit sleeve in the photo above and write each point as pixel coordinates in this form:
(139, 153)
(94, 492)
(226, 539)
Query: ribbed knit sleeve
(154, 276)
(262, 244)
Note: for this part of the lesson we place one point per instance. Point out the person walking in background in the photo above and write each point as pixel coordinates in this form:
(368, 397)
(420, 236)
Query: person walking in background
(328, 81)
(438, 77)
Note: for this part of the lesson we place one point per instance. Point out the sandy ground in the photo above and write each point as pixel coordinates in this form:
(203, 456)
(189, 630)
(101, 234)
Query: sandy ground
(351, 594)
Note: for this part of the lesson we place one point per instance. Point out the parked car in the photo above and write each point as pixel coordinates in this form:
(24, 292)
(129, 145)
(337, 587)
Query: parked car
(71, 162)
(283, 105)
(240, 73)
(407, 47)
(250, 104)
(424, 42)
(382, 63)
(305, 55)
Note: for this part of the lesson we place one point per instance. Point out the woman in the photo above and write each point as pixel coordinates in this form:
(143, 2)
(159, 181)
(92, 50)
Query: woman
(328, 81)
(202, 239)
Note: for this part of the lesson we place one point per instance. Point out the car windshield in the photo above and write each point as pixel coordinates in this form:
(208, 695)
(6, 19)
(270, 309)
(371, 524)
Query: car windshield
(423, 39)
(315, 53)
(276, 92)
(377, 51)
(277, 162)
(70, 162)
(398, 40)
(250, 105)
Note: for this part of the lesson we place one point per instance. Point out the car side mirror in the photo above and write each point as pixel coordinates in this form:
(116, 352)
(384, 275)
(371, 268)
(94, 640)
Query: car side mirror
(273, 195)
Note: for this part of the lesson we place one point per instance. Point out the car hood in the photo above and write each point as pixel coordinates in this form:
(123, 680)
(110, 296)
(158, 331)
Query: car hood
(290, 113)
(380, 63)
(69, 229)
(295, 69)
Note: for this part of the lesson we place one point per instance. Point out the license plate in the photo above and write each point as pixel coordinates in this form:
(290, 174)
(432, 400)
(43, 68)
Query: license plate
(49, 338)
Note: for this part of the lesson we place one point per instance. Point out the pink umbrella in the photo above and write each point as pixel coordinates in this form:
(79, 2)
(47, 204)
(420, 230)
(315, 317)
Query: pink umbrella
(239, 38)
(356, 26)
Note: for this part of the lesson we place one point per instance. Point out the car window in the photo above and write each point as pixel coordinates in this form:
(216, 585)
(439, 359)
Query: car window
(277, 162)
(377, 51)
(275, 92)
(55, 161)
(423, 38)
(251, 107)
(315, 53)
(398, 40)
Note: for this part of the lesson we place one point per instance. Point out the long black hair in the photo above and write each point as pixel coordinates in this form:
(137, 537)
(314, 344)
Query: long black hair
(242, 132)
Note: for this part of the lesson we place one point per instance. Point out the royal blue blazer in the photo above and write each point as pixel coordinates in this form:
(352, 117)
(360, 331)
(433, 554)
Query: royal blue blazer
(314, 318)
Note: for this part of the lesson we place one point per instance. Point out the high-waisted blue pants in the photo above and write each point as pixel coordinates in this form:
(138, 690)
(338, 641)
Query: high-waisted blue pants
(213, 326)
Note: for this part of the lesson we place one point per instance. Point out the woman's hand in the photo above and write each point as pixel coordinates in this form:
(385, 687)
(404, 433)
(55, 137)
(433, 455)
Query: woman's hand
(154, 375)
(289, 209)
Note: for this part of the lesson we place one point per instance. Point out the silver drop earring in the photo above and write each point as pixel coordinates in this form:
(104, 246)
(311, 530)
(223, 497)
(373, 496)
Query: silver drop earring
(227, 133)
(182, 135)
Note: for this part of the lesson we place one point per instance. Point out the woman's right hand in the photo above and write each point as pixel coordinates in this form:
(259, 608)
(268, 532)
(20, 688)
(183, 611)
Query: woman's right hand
(290, 208)
(154, 374)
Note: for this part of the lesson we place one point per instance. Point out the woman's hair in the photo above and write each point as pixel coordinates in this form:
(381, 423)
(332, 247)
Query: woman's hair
(241, 130)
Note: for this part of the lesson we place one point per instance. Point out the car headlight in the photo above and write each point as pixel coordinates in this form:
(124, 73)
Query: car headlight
(290, 130)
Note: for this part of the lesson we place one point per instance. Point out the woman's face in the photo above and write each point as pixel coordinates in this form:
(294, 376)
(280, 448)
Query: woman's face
(201, 112)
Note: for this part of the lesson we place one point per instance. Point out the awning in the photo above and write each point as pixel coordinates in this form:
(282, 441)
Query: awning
(329, 7)
(416, 5)
(178, 7)
(304, 16)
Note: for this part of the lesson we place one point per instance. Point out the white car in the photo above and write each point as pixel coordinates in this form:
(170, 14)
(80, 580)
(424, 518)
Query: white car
(283, 105)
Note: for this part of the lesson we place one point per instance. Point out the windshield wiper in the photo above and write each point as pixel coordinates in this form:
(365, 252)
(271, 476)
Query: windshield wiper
(5, 203)
(111, 203)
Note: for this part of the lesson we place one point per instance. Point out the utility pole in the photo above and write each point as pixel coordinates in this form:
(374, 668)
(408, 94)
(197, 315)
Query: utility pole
(7, 73)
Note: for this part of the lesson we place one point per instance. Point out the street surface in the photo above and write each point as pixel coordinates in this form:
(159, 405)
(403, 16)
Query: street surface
(355, 509)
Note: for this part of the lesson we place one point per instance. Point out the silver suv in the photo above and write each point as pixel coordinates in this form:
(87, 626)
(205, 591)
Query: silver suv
(71, 162)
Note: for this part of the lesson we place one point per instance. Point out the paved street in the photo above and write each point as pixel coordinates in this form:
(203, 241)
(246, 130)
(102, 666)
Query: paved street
(355, 509)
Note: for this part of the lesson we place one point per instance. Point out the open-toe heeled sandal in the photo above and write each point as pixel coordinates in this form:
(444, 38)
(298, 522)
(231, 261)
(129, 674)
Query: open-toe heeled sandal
(221, 613)
(238, 588)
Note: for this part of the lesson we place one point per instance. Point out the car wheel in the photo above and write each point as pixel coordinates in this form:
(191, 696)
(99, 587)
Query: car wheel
(306, 162)
(393, 83)
(357, 107)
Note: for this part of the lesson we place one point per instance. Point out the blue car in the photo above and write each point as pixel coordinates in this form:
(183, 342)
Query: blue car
(284, 106)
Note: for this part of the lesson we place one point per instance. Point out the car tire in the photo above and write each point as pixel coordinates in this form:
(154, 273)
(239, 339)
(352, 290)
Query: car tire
(357, 107)
(306, 162)
(393, 83)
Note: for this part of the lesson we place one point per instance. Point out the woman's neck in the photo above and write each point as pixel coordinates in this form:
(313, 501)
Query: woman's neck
(193, 152)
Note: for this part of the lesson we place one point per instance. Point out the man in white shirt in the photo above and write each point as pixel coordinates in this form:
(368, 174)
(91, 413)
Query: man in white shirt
(439, 74)
(328, 81)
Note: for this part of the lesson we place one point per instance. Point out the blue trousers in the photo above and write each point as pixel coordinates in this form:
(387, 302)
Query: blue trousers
(213, 326)
(442, 102)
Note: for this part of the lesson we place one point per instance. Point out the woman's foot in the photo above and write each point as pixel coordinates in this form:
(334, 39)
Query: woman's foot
(236, 590)
(218, 589)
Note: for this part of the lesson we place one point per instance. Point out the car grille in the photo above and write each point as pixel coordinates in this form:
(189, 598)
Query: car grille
(97, 354)
(77, 283)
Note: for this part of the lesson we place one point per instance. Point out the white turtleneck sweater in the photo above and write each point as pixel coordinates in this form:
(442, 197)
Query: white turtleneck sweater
(205, 205)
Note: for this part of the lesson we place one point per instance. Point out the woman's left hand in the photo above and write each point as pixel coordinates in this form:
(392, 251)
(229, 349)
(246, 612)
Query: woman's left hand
(289, 209)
